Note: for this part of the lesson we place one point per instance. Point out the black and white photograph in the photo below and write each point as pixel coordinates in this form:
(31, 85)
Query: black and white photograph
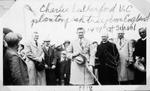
(75, 45)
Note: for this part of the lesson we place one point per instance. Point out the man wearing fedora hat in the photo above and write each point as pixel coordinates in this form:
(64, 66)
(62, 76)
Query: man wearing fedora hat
(50, 60)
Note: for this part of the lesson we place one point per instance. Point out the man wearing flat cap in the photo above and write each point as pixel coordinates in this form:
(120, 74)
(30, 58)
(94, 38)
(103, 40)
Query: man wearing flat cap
(79, 52)
(15, 69)
(50, 60)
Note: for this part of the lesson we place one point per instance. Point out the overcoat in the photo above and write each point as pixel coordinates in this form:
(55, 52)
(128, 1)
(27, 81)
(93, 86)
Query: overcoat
(15, 69)
(34, 52)
(125, 52)
(79, 73)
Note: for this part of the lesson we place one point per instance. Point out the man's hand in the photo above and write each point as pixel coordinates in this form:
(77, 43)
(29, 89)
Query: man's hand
(142, 59)
(53, 67)
(37, 59)
(90, 68)
(46, 66)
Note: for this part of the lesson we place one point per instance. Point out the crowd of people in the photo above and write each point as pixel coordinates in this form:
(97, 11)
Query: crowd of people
(111, 62)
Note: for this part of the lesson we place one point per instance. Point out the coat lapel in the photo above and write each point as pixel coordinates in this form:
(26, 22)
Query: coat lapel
(33, 44)
(49, 51)
(45, 51)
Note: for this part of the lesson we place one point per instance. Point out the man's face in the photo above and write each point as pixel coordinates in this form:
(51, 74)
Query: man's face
(36, 37)
(104, 38)
(142, 33)
(120, 35)
(47, 43)
(66, 45)
(80, 33)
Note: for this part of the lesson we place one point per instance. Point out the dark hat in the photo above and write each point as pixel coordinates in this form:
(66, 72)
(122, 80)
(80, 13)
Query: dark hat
(67, 41)
(80, 60)
(6, 30)
(46, 40)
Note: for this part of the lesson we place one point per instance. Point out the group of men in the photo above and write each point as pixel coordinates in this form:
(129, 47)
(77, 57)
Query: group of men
(79, 62)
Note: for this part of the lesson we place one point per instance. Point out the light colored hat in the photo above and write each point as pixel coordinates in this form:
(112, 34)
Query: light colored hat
(104, 33)
(120, 31)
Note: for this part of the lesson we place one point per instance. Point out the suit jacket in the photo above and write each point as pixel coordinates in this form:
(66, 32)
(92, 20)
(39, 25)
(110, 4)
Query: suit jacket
(50, 56)
(15, 69)
(79, 73)
(107, 54)
(125, 52)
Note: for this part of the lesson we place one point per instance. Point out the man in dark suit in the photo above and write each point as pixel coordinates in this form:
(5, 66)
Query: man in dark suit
(140, 56)
(108, 58)
(15, 69)
(50, 60)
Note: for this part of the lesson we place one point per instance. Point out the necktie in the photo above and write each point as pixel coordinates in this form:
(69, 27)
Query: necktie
(81, 43)
(120, 42)
(36, 43)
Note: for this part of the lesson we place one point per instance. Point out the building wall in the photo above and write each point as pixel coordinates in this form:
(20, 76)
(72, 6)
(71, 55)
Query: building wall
(5, 5)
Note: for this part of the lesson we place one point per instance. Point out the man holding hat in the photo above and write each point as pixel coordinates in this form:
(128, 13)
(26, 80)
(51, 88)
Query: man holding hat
(79, 52)
(140, 57)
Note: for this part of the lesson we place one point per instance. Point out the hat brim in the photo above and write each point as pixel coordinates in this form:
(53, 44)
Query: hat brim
(46, 40)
